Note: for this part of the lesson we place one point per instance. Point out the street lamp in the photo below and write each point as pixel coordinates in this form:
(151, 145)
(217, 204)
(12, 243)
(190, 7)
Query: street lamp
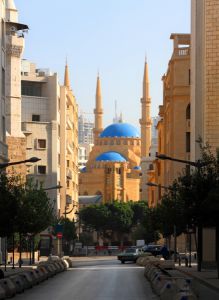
(7, 164)
(174, 226)
(56, 187)
(197, 164)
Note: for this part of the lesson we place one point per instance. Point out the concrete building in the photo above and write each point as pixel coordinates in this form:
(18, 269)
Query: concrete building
(204, 75)
(113, 166)
(49, 122)
(85, 133)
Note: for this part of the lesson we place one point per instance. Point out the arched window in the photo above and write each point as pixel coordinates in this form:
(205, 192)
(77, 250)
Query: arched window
(188, 112)
(85, 193)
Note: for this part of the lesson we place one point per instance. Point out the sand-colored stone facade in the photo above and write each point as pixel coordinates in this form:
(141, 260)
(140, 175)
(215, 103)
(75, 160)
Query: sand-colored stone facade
(174, 125)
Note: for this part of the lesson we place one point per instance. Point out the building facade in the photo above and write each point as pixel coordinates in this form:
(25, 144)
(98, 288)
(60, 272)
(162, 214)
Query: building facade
(49, 122)
(174, 124)
(204, 75)
(113, 166)
(3, 146)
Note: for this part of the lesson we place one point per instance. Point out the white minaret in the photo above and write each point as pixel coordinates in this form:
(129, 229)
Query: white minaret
(14, 50)
(15, 139)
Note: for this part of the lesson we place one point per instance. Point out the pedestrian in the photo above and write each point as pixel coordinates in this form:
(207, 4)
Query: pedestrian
(164, 252)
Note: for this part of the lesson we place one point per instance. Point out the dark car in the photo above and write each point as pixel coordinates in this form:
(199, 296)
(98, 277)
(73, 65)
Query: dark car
(129, 254)
(153, 249)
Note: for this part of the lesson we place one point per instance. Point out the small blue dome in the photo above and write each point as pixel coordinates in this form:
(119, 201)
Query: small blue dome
(84, 169)
(137, 168)
(120, 130)
(110, 156)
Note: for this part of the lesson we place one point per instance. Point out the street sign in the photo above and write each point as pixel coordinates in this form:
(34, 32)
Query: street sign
(59, 228)
(59, 235)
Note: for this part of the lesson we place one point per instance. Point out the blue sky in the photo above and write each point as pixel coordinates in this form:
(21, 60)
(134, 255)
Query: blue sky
(111, 36)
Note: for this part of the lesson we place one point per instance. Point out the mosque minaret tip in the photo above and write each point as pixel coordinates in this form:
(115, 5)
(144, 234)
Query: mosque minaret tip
(145, 121)
(98, 111)
(67, 80)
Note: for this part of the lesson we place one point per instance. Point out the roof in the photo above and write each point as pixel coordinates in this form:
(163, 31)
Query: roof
(111, 156)
(120, 130)
(85, 200)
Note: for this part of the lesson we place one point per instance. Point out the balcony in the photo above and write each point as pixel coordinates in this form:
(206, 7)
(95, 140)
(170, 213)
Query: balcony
(183, 51)
(70, 148)
(69, 123)
(3, 151)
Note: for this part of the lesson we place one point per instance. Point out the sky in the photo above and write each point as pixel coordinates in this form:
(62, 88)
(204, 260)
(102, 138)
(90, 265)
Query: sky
(111, 37)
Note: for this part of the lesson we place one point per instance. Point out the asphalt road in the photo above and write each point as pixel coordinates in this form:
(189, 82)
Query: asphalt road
(95, 279)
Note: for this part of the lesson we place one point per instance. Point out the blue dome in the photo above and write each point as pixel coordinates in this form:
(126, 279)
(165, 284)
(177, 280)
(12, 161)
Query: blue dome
(137, 168)
(120, 130)
(110, 156)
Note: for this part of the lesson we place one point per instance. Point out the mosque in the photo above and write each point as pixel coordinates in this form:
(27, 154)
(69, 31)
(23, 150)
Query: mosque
(113, 170)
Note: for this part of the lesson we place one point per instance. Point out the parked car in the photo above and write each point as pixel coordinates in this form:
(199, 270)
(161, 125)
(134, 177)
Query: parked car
(153, 249)
(129, 254)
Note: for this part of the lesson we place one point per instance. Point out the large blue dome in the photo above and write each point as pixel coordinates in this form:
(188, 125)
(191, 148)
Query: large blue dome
(111, 156)
(120, 130)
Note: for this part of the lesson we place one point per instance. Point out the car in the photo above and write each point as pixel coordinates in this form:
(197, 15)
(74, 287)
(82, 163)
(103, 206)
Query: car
(129, 254)
(153, 249)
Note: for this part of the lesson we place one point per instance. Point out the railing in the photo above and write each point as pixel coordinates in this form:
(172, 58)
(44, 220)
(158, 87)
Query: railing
(184, 51)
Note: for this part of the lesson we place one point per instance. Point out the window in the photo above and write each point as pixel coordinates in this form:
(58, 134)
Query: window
(29, 88)
(3, 82)
(189, 76)
(41, 170)
(187, 141)
(41, 144)
(36, 118)
(68, 183)
(68, 163)
(188, 112)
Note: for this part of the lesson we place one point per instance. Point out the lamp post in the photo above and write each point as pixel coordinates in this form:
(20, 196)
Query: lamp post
(197, 164)
(174, 226)
(3, 166)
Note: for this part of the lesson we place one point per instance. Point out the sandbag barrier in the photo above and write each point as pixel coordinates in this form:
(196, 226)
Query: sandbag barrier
(18, 283)
(164, 285)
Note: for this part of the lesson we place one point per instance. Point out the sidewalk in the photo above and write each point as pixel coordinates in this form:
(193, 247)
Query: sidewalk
(205, 277)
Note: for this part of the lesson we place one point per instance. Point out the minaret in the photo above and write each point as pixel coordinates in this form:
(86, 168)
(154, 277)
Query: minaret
(98, 111)
(145, 120)
(14, 48)
(66, 79)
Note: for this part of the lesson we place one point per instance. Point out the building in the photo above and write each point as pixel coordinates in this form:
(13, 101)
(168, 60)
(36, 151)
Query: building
(113, 167)
(3, 145)
(204, 75)
(205, 94)
(174, 124)
(85, 132)
(15, 138)
(50, 124)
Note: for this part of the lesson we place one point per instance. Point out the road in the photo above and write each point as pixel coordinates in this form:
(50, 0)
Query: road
(94, 279)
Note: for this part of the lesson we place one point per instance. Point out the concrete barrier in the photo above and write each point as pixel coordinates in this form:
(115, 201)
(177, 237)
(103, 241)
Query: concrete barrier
(43, 270)
(2, 293)
(19, 283)
(185, 296)
(27, 278)
(168, 291)
(41, 275)
(66, 264)
(69, 260)
(8, 285)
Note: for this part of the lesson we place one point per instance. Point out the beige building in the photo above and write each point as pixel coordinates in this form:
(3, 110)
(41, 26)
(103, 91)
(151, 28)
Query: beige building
(174, 125)
(205, 92)
(49, 122)
(205, 74)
